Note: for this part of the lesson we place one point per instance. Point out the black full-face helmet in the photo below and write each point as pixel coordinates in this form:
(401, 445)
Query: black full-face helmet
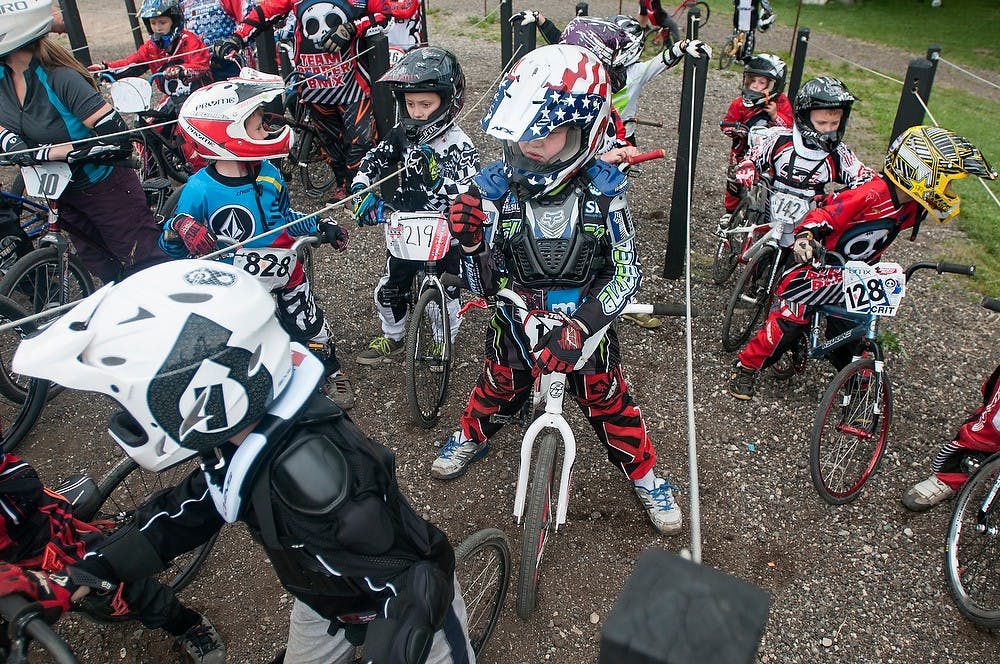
(427, 69)
(822, 92)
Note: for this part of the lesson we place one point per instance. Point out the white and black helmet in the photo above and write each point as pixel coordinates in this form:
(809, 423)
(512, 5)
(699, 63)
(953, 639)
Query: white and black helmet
(24, 22)
(191, 350)
(427, 69)
(770, 67)
(822, 92)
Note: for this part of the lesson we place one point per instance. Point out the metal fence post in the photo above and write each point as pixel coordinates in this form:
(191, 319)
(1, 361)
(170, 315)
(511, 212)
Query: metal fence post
(525, 38)
(133, 20)
(74, 29)
(581, 9)
(506, 34)
(798, 61)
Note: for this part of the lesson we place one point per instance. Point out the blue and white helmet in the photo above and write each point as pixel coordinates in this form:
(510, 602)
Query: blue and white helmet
(170, 8)
(551, 87)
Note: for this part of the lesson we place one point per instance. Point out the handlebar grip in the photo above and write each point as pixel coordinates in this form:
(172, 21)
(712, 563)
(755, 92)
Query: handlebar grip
(17, 609)
(647, 156)
(452, 280)
(991, 303)
(956, 268)
(672, 309)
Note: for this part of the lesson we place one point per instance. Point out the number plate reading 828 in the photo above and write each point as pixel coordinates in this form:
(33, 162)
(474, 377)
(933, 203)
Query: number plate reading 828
(874, 289)
(272, 267)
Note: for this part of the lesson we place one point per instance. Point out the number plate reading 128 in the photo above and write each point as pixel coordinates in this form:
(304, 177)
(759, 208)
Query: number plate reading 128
(417, 236)
(874, 289)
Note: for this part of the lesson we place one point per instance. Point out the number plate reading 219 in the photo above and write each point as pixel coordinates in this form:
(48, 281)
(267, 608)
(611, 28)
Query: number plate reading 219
(874, 289)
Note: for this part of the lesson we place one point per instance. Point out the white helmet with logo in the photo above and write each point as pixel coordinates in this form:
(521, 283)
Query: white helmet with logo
(190, 349)
(23, 23)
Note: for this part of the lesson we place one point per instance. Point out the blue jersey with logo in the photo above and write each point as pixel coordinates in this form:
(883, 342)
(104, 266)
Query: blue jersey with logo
(240, 208)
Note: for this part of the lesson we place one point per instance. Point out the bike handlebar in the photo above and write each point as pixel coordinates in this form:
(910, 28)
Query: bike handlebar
(24, 616)
(659, 153)
(941, 267)
(991, 303)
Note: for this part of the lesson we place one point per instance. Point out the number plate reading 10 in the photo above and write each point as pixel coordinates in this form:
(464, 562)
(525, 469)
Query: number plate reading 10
(417, 236)
(874, 289)
(47, 180)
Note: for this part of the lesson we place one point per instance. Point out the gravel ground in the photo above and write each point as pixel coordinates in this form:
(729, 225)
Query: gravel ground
(857, 583)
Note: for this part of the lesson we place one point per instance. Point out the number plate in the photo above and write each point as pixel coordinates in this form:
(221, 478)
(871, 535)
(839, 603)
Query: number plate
(417, 236)
(131, 95)
(787, 209)
(46, 180)
(874, 289)
(271, 266)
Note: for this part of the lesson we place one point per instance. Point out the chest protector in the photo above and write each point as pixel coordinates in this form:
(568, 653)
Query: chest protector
(552, 246)
(331, 493)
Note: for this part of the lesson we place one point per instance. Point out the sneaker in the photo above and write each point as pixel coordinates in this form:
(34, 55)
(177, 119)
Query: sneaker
(660, 506)
(741, 382)
(381, 349)
(436, 351)
(456, 455)
(647, 321)
(202, 644)
(338, 387)
(926, 494)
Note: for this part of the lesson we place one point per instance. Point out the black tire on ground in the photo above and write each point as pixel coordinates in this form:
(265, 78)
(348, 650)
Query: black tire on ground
(972, 549)
(539, 520)
(849, 437)
(426, 374)
(749, 301)
(483, 567)
(729, 248)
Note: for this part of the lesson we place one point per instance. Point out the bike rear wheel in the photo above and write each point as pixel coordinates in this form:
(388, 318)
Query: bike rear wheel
(125, 487)
(972, 551)
(483, 567)
(730, 245)
(428, 358)
(750, 300)
(153, 175)
(315, 170)
(22, 397)
(539, 521)
(850, 432)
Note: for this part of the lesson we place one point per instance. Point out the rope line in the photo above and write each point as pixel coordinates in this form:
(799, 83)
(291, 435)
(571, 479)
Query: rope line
(969, 73)
(487, 17)
(855, 64)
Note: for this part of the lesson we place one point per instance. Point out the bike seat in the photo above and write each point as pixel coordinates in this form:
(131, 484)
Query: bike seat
(82, 493)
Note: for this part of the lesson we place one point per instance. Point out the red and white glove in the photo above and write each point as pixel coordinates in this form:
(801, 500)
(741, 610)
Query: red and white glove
(54, 597)
(197, 238)
(560, 348)
(466, 219)
(745, 174)
(173, 71)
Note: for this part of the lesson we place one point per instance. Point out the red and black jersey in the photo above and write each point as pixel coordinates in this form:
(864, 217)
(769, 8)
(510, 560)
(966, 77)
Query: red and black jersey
(753, 117)
(861, 222)
(187, 51)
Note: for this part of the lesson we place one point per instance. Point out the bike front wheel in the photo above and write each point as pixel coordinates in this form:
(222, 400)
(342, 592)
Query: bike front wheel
(730, 246)
(22, 397)
(127, 486)
(972, 551)
(850, 432)
(428, 358)
(315, 169)
(705, 10)
(750, 300)
(483, 567)
(727, 54)
(539, 522)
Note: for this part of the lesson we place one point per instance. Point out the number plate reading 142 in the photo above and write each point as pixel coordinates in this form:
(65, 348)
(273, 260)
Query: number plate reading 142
(417, 236)
(787, 208)
(874, 289)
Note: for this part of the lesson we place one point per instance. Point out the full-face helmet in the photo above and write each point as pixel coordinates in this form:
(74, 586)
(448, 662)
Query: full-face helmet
(770, 67)
(637, 38)
(607, 40)
(924, 161)
(427, 69)
(550, 87)
(214, 118)
(24, 23)
(190, 349)
(822, 92)
(155, 8)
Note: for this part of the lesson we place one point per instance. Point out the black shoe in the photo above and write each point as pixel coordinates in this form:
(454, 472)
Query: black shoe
(202, 644)
(741, 382)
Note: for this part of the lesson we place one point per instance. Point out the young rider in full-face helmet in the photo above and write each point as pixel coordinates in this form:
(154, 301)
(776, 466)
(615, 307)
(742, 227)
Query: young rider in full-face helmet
(193, 353)
(860, 224)
(551, 113)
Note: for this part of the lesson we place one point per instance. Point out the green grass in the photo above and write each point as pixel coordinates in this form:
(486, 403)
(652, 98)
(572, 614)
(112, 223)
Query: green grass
(966, 30)
(868, 133)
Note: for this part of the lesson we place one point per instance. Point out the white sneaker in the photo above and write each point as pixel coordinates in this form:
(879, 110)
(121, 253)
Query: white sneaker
(926, 494)
(660, 506)
(456, 455)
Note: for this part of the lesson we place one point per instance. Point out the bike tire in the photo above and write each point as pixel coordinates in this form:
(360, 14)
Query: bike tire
(153, 175)
(170, 206)
(427, 373)
(18, 413)
(972, 549)
(539, 520)
(730, 247)
(315, 171)
(125, 487)
(705, 10)
(849, 438)
(727, 54)
(483, 568)
(749, 301)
